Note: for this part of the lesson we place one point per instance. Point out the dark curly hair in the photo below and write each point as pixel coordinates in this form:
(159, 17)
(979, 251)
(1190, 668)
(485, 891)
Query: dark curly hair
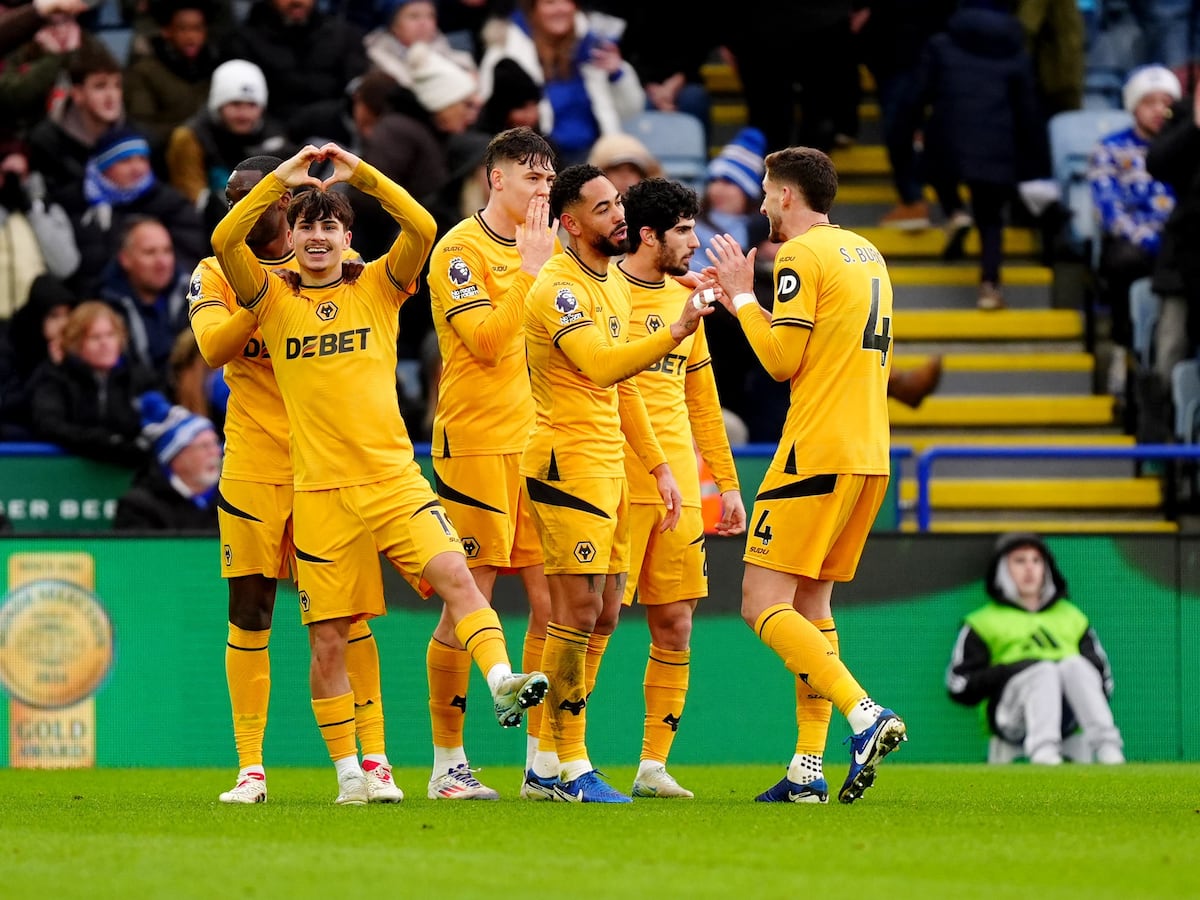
(659, 204)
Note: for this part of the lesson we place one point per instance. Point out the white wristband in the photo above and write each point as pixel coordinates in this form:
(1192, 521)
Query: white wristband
(740, 300)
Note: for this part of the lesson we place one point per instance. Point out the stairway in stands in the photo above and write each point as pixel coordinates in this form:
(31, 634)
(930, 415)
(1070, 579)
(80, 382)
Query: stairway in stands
(1018, 377)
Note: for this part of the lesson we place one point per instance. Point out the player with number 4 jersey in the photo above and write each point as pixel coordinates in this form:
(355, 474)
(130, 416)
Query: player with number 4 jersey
(829, 334)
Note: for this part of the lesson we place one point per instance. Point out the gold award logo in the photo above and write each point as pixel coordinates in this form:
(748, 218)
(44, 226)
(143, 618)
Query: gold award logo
(55, 644)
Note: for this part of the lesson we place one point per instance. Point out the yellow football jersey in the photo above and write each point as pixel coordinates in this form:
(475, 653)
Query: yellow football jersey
(256, 425)
(477, 290)
(334, 346)
(681, 399)
(576, 337)
(830, 334)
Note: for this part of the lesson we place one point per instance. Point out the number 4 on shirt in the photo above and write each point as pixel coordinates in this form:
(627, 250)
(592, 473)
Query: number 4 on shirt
(872, 339)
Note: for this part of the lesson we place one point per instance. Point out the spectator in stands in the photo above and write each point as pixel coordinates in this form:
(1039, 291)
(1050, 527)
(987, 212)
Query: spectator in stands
(306, 55)
(984, 128)
(168, 84)
(234, 125)
(1131, 205)
(177, 489)
(732, 193)
(193, 383)
(670, 71)
(450, 98)
(1034, 657)
(87, 404)
(20, 23)
(589, 89)
(1054, 41)
(35, 236)
(514, 100)
(120, 186)
(145, 284)
(412, 22)
(33, 336)
(891, 42)
(1174, 159)
(764, 37)
(31, 72)
(61, 143)
(625, 160)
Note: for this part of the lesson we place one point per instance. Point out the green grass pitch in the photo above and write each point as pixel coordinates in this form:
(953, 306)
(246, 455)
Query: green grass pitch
(923, 832)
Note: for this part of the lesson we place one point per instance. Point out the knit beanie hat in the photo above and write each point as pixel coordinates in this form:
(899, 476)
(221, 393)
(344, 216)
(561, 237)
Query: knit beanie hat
(1148, 80)
(438, 82)
(169, 429)
(741, 161)
(237, 79)
(117, 144)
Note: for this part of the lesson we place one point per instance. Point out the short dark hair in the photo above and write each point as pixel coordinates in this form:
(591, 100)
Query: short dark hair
(568, 186)
(261, 164)
(808, 169)
(315, 205)
(92, 58)
(521, 145)
(163, 11)
(659, 204)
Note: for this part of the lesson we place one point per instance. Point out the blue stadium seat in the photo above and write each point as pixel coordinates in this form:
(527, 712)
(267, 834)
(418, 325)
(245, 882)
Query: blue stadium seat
(677, 141)
(1185, 395)
(1073, 134)
(1145, 307)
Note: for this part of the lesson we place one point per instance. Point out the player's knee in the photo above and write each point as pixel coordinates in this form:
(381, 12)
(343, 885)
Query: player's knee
(251, 602)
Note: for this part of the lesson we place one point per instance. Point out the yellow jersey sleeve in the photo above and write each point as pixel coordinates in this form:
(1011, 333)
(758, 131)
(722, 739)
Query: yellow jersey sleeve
(704, 414)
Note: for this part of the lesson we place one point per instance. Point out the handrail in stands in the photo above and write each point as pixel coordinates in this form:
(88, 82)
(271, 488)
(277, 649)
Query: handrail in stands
(926, 460)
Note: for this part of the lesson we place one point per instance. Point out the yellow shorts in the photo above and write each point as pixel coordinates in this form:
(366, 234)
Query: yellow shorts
(341, 532)
(256, 529)
(813, 525)
(583, 524)
(667, 566)
(482, 496)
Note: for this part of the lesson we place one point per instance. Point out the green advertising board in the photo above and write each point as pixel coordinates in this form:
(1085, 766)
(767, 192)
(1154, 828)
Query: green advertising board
(118, 645)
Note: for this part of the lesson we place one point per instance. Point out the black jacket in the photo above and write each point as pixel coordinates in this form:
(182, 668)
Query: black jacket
(1174, 159)
(978, 81)
(88, 417)
(153, 504)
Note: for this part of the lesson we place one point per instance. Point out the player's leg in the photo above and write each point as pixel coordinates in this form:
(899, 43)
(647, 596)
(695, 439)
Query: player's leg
(537, 590)
(333, 706)
(448, 667)
(256, 547)
(362, 668)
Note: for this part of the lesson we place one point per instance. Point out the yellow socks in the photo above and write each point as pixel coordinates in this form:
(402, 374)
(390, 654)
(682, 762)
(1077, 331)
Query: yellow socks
(597, 644)
(449, 670)
(666, 685)
(335, 718)
(565, 662)
(808, 654)
(812, 710)
(480, 633)
(362, 667)
(531, 661)
(248, 671)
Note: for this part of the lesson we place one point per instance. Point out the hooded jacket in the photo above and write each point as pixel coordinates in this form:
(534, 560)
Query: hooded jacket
(1002, 638)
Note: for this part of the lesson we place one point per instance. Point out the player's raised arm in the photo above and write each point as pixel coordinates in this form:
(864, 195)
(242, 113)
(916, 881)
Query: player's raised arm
(735, 271)
(221, 333)
(418, 228)
(241, 267)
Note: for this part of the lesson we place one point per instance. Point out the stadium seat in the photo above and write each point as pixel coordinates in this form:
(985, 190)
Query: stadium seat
(677, 141)
(1073, 134)
(1185, 396)
(1145, 307)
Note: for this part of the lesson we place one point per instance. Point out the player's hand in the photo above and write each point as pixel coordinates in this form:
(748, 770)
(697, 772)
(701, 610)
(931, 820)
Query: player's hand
(535, 236)
(294, 172)
(672, 499)
(733, 514)
(696, 307)
(351, 269)
(290, 277)
(344, 163)
(733, 268)
(689, 280)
